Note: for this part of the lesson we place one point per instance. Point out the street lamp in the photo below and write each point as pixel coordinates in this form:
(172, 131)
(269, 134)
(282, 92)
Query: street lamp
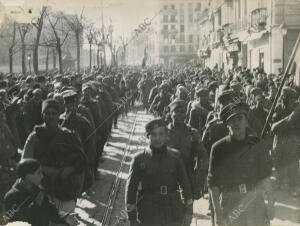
(283, 30)
(29, 62)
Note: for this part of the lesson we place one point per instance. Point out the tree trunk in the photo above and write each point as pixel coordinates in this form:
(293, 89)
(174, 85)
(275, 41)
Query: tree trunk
(47, 58)
(59, 56)
(54, 58)
(78, 51)
(98, 58)
(10, 52)
(35, 55)
(90, 56)
(23, 56)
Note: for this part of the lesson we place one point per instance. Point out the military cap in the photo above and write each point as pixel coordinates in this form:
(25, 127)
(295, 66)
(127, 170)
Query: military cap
(163, 86)
(256, 91)
(41, 78)
(50, 103)
(233, 109)
(69, 95)
(153, 124)
(289, 92)
(157, 78)
(29, 79)
(235, 83)
(212, 85)
(3, 84)
(37, 92)
(182, 89)
(57, 77)
(177, 103)
(202, 92)
(65, 81)
(225, 96)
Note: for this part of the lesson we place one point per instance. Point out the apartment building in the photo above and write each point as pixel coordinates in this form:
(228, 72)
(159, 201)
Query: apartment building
(175, 38)
(248, 33)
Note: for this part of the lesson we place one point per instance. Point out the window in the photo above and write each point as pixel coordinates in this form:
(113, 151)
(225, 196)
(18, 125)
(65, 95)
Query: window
(181, 38)
(165, 37)
(182, 49)
(165, 27)
(219, 17)
(172, 6)
(199, 6)
(166, 48)
(191, 18)
(172, 18)
(262, 60)
(190, 7)
(165, 18)
(165, 7)
(191, 48)
(173, 27)
(191, 38)
(173, 48)
(181, 28)
(181, 18)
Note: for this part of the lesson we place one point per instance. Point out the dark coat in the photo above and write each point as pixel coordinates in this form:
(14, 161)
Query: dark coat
(20, 205)
(58, 149)
(154, 169)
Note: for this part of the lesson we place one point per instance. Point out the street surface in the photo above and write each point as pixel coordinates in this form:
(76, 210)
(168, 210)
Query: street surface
(91, 207)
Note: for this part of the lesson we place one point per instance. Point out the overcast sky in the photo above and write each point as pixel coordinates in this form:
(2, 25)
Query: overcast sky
(125, 15)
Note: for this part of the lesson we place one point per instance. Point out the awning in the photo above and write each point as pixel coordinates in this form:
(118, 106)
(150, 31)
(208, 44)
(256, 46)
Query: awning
(257, 35)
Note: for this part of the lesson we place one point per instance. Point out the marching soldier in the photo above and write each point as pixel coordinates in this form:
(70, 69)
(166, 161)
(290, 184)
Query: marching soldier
(186, 140)
(200, 109)
(152, 190)
(161, 101)
(238, 190)
(257, 113)
(78, 124)
(60, 153)
(285, 143)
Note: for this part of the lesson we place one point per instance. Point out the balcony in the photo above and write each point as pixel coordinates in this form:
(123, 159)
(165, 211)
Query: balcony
(259, 18)
(170, 11)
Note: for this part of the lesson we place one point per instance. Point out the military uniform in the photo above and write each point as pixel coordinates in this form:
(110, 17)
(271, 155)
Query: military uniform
(286, 138)
(231, 171)
(158, 202)
(187, 141)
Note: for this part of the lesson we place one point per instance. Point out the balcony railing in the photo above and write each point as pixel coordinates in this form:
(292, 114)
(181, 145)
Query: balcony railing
(170, 11)
(259, 18)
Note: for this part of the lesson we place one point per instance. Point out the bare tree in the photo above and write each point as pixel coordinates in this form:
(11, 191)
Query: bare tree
(12, 47)
(90, 33)
(124, 44)
(100, 43)
(23, 31)
(39, 26)
(76, 24)
(57, 41)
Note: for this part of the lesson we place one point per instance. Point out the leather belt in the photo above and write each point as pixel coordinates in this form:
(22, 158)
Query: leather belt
(162, 190)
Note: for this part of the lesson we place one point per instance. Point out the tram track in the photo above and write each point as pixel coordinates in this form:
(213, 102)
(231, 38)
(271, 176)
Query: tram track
(106, 219)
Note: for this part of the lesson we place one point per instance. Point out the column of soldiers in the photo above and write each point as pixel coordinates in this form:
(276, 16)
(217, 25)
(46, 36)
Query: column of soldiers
(206, 139)
(53, 131)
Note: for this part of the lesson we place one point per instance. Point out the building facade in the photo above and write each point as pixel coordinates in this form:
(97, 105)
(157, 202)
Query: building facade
(248, 33)
(175, 38)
